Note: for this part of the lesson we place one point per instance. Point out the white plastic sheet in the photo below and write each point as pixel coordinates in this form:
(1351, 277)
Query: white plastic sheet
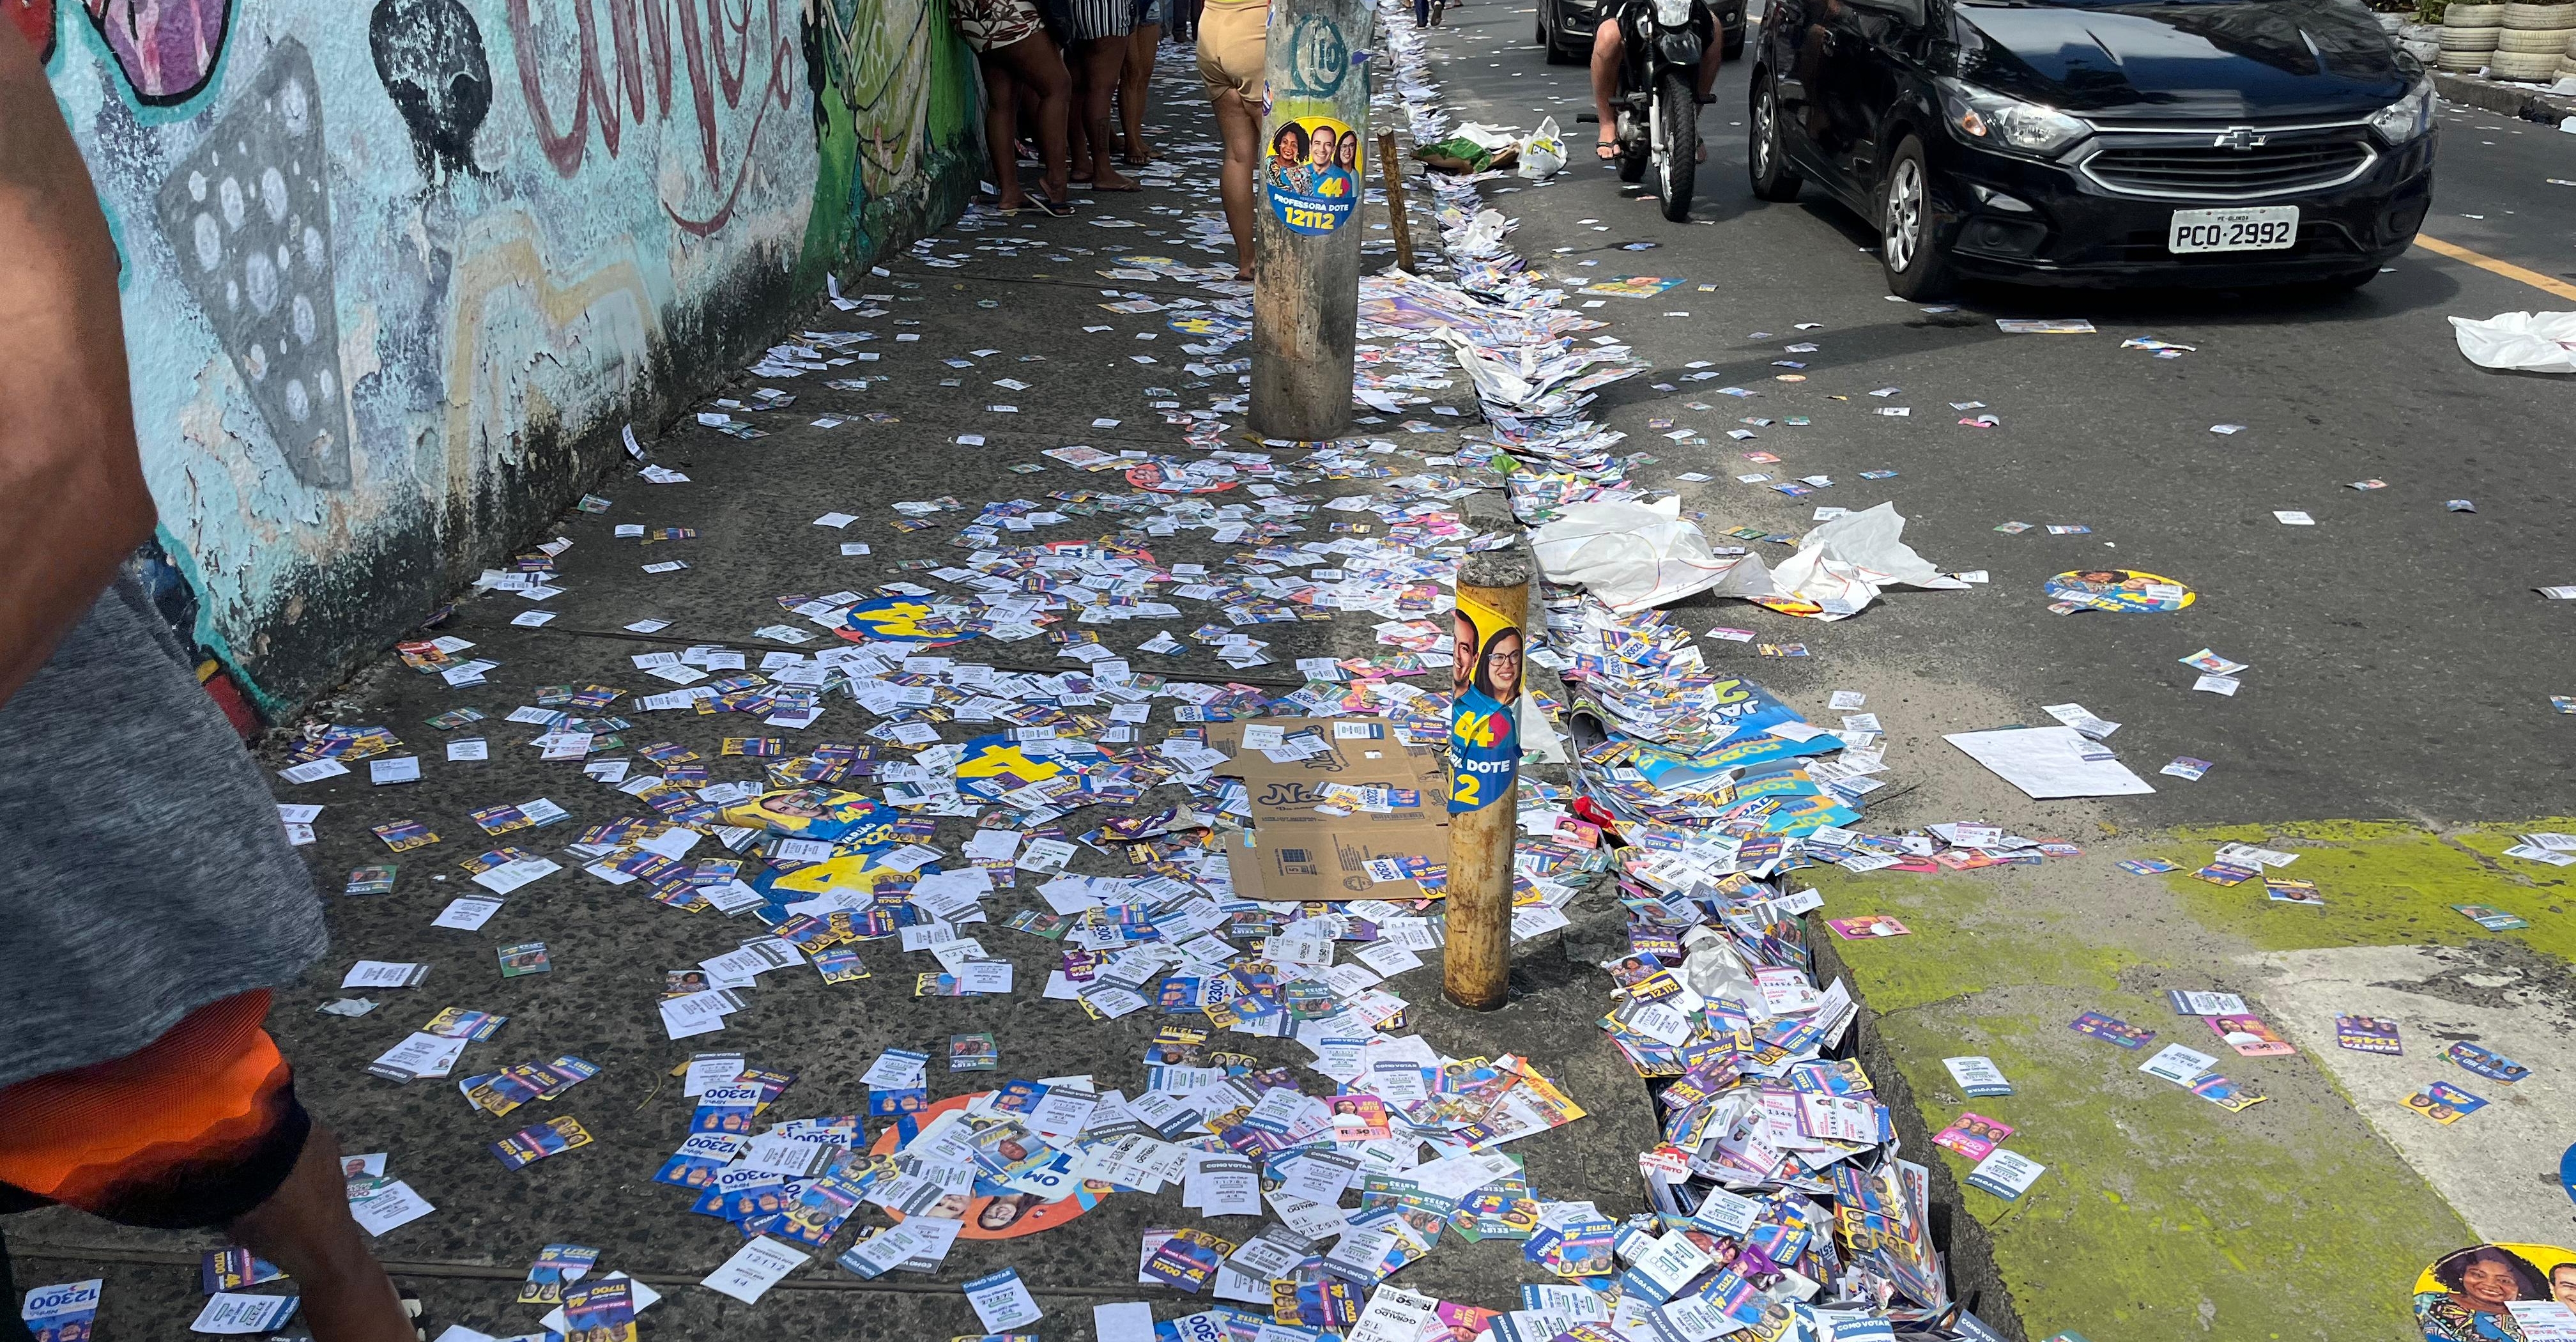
(1631, 556)
(2047, 762)
(2529, 342)
(1841, 565)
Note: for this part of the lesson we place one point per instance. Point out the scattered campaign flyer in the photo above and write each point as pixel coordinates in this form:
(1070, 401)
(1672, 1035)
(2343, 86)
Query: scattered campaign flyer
(1978, 1077)
(2006, 1174)
(228, 1312)
(64, 1312)
(754, 1268)
(1002, 1301)
(2368, 1034)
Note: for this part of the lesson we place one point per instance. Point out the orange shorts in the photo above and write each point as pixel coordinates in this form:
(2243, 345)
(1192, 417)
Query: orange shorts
(193, 1129)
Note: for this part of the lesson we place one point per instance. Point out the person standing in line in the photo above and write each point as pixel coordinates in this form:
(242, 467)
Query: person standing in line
(1100, 29)
(150, 900)
(1136, 78)
(1183, 21)
(1020, 65)
(1234, 51)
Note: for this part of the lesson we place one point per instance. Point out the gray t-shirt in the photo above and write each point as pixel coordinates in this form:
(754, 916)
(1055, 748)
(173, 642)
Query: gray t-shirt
(143, 871)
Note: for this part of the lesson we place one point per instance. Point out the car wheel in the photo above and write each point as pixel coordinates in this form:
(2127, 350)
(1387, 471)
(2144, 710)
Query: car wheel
(1772, 178)
(1547, 40)
(1916, 266)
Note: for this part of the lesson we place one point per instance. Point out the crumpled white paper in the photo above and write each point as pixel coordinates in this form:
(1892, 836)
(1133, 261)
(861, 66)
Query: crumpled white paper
(1631, 556)
(2529, 342)
(1841, 565)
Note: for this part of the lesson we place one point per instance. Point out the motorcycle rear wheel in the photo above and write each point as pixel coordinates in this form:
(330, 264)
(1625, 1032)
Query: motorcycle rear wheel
(1676, 111)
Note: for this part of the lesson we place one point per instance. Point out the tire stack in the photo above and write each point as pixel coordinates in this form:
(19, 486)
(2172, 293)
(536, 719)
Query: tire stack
(2567, 61)
(2469, 36)
(2532, 40)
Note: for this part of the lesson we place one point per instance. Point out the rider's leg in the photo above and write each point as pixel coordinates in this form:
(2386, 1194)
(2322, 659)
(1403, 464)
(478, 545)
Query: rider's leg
(1605, 83)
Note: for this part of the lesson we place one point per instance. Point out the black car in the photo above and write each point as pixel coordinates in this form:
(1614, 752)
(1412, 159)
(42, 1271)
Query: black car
(1565, 28)
(2199, 142)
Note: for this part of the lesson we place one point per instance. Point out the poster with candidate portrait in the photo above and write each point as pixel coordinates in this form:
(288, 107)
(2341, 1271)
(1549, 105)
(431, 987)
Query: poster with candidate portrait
(2491, 1292)
(1484, 707)
(1313, 170)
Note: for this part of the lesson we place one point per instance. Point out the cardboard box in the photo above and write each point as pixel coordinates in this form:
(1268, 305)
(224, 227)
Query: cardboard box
(1295, 853)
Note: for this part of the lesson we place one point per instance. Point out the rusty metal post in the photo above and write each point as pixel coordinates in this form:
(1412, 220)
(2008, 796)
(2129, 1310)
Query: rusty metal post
(1484, 769)
(1396, 217)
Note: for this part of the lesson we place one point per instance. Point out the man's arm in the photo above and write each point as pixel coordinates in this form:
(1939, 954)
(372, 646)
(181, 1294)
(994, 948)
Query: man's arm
(72, 500)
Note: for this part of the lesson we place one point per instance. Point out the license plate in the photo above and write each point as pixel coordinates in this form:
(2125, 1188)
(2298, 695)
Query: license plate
(2259, 228)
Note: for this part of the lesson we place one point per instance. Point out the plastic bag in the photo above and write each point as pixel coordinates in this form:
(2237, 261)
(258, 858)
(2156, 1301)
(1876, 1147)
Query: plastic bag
(1840, 566)
(2529, 342)
(1543, 153)
(1631, 556)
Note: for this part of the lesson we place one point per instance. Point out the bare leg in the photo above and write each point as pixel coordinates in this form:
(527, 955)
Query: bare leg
(1096, 64)
(1001, 119)
(1241, 128)
(1605, 85)
(305, 1228)
(1134, 83)
(1039, 71)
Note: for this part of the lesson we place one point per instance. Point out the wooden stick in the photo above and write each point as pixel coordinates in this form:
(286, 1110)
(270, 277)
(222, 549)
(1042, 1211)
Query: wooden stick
(1395, 211)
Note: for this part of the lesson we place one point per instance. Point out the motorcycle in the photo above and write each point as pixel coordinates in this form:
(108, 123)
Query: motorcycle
(1657, 105)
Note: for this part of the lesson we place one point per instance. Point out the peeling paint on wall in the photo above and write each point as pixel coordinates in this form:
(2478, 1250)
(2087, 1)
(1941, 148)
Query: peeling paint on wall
(391, 286)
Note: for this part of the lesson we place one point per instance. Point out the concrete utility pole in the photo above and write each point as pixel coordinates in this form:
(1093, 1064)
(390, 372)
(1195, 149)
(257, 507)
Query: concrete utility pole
(1313, 174)
(1484, 766)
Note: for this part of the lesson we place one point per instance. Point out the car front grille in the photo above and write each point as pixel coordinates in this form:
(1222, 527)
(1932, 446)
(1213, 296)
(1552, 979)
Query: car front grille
(2205, 171)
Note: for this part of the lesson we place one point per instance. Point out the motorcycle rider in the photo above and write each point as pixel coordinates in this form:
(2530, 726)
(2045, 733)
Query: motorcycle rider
(1606, 45)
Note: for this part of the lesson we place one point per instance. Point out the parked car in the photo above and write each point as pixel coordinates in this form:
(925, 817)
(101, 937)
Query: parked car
(2197, 142)
(1565, 28)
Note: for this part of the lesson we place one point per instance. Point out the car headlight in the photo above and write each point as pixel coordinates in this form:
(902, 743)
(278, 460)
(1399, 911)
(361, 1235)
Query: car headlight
(1985, 117)
(2405, 118)
(1672, 13)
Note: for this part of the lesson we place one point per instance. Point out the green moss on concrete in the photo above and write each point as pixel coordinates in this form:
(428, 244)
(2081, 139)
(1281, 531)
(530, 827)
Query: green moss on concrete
(2161, 1217)
(2384, 883)
(1964, 940)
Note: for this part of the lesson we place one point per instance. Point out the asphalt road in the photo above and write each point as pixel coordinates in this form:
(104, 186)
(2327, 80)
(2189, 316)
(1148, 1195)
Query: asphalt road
(2402, 661)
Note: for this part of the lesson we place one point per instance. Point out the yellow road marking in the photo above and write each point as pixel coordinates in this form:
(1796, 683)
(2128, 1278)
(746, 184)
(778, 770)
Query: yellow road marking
(2557, 288)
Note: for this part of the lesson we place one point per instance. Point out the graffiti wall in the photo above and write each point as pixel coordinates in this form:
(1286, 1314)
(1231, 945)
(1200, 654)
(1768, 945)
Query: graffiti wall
(396, 271)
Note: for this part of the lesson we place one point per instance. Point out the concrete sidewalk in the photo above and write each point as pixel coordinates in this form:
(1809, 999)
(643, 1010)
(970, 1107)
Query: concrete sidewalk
(992, 303)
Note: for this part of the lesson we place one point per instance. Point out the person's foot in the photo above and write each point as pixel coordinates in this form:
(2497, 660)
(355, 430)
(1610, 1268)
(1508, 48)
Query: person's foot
(1053, 206)
(1106, 178)
(1139, 156)
(1243, 270)
(1606, 148)
(1701, 156)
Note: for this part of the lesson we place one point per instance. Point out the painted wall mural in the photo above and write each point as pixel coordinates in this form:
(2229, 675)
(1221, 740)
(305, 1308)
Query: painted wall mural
(391, 286)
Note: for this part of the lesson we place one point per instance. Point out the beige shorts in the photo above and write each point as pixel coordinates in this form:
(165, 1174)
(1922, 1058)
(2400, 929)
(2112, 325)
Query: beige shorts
(1233, 47)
